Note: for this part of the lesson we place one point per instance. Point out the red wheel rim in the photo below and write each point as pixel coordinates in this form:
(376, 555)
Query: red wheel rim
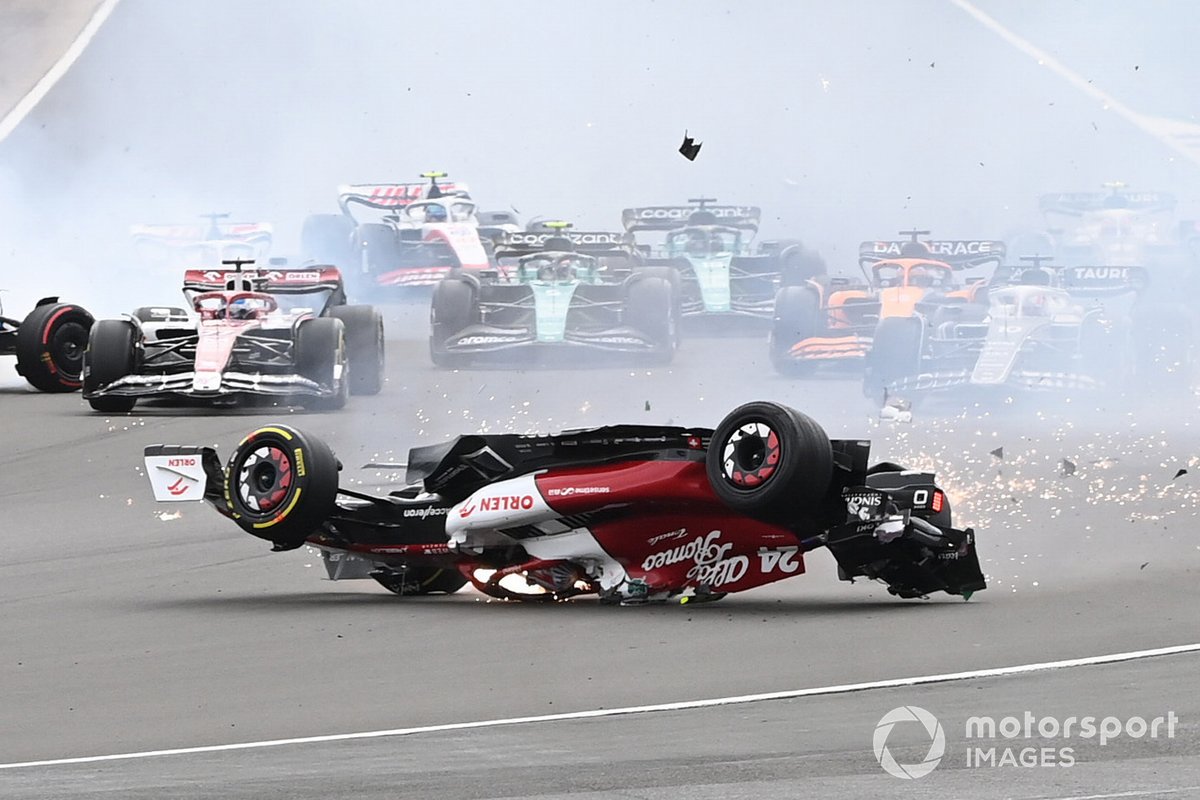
(751, 455)
(265, 478)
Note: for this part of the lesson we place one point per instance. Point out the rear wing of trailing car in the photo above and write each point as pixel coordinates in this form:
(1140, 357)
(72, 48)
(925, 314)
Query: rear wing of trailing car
(956, 253)
(277, 280)
(669, 218)
(1076, 204)
(1081, 280)
(393, 195)
(252, 233)
(522, 243)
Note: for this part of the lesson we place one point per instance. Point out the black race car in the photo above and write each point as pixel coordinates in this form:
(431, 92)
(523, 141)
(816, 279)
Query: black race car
(631, 513)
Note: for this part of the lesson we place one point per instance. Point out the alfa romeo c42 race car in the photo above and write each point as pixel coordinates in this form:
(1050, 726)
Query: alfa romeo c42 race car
(48, 344)
(720, 273)
(838, 321)
(556, 292)
(280, 332)
(420, 232)
(631, 513)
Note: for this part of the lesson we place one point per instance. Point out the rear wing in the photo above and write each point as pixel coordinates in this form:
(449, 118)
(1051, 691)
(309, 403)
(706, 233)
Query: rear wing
(1083, 280)
(591, 242)
(393, 195)
(669, 218)
(1104, 280)
(1077, 204)
(275, 280)
(256, 233)
(955, 253)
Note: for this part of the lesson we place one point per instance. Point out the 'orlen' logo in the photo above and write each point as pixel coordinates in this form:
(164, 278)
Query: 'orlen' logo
(937, 743)
(181, 462)
(508, 502)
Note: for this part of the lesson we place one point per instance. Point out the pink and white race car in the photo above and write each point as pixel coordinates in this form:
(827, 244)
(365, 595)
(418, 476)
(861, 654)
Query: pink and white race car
(283, 331)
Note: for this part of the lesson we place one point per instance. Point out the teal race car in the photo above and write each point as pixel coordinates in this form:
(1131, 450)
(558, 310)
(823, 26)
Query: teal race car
(720, 271)
(557, 291)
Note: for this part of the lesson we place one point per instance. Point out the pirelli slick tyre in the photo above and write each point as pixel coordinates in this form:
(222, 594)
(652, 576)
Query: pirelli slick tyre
(895, 353)
(364, 346)
(328, 238)
(769, 461)
(421, 581)
(111, 354)
(281, 485)
(452, 309)
(797, 317)
(652, 309)
(50, 346)
(377, 246)
(798, 264)
(321, 357)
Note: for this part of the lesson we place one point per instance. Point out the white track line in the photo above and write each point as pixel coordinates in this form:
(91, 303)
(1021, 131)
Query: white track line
(1181, 136)
(43, 86)
(1133, 793)
(686, 705)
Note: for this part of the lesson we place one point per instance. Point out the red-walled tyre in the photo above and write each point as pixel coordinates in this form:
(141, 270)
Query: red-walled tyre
(50, 346)
(769, 461)
(281, 485)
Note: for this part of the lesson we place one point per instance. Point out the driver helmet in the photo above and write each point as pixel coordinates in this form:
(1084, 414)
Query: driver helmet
(562, 269)
(242, 308)
(435, 213)
(1034, 276)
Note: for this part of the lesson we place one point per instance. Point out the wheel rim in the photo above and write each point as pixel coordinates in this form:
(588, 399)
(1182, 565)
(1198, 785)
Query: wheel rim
(265, 479)
(750, 455)
(66, 348)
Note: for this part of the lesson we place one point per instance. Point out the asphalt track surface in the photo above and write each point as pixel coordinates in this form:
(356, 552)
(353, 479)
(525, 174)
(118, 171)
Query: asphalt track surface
(127, 630)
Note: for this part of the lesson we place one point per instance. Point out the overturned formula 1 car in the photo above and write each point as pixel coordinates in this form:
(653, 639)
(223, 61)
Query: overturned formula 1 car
(631, 513)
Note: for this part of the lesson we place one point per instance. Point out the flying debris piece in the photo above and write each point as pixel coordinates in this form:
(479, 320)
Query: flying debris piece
(998, 453)
(1066, 468)
(1143, 566)
(384, 465)
(896, 410)
(690, 148)
(647, 405)
(1180, 474)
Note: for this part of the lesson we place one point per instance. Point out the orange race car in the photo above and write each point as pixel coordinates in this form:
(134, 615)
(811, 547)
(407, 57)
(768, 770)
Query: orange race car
(836, 320)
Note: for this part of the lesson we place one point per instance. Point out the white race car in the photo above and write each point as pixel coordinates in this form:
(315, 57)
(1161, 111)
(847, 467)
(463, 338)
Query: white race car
(282, 332)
